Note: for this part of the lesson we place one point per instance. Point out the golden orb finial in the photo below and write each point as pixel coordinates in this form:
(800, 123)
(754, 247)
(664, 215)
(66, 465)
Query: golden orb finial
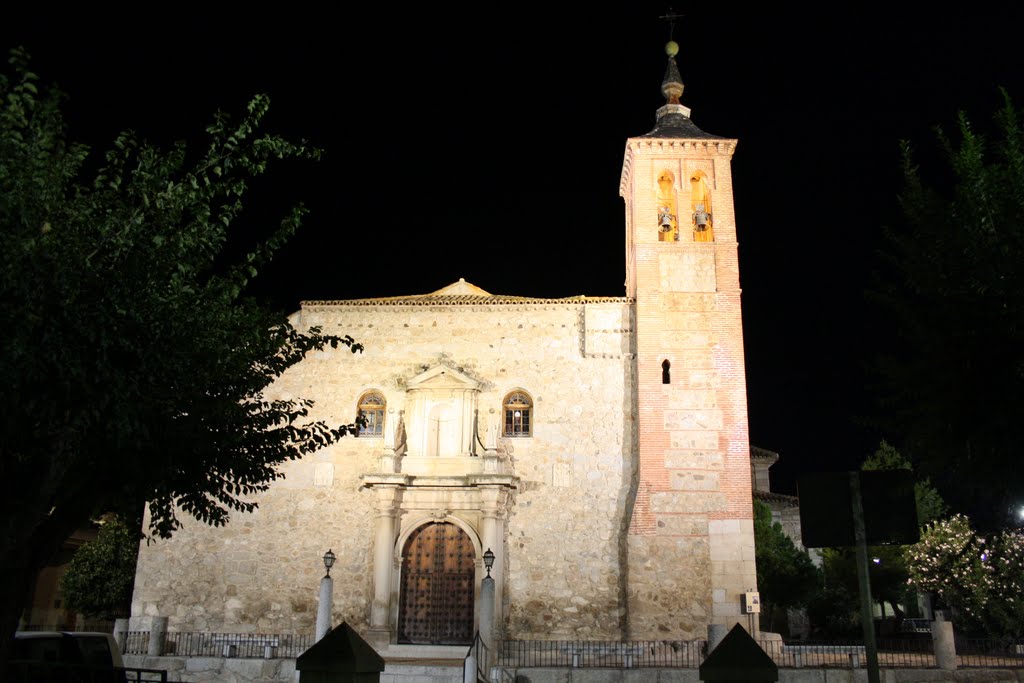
(671, 48)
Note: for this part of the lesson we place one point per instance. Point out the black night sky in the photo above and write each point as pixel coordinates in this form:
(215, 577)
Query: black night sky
(489, 146)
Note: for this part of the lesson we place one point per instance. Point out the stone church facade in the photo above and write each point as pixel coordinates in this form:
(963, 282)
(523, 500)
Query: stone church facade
(597, 446)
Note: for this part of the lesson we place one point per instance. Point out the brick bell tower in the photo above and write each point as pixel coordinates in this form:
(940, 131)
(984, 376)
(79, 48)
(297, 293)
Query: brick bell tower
(691, 536)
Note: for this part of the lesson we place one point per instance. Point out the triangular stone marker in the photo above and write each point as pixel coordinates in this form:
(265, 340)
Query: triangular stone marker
(341, 655)
(738, 658)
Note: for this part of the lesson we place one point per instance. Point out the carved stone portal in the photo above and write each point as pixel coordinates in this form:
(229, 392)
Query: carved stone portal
(440, 408)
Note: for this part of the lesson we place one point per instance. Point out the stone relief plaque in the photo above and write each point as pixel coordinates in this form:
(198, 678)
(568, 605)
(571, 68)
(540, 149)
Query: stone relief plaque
(323, 474)
(561, 474)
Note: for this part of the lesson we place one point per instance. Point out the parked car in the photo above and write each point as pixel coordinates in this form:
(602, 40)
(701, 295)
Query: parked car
(66, 657)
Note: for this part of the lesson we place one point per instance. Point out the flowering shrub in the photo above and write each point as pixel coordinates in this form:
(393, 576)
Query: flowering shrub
(1006, 607)
(981, 579)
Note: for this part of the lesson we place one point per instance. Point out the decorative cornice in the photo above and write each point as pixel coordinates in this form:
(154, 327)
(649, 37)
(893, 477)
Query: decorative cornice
(627, 171)
(763, 453)
(675, 146)
(716, 146)
(769, 497)
(421, 301)
(384, 479)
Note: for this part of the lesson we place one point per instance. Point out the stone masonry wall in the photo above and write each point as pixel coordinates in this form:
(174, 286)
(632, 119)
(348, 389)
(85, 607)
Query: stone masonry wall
(691, 546)
(565, 527)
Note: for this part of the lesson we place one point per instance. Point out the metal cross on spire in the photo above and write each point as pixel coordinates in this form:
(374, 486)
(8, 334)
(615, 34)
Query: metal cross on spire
(671, 17)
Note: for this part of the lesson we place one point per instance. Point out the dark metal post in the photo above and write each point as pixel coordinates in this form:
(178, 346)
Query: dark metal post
(859, 535)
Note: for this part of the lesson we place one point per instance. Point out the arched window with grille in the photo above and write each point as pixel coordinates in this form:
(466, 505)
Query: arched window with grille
(371, 410)
(518, 414)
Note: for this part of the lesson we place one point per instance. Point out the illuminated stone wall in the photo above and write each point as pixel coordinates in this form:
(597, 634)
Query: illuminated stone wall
(691, 544)
(625, 514)
(566, 519)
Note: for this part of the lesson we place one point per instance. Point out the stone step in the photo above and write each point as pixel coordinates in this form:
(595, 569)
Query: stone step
(422, 672)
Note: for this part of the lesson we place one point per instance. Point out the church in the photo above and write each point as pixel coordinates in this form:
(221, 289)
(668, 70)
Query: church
(598, 447)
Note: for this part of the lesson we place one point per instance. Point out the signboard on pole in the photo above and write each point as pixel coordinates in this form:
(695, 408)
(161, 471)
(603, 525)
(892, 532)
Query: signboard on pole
(826, 509)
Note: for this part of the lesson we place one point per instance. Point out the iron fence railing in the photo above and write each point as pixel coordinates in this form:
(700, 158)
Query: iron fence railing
(242, 645)
(135, 643)
(999, 653)
(892, 653)
(600, 654)
(481, 656)
(675, 654)
(896, 653)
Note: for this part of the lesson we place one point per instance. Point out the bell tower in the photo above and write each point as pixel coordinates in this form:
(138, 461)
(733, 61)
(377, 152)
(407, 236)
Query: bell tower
(691, 536)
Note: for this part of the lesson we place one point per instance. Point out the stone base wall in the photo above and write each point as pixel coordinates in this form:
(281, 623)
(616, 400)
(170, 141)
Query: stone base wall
(218, 669)
(669, 587)
(733, 569)
(785, 675)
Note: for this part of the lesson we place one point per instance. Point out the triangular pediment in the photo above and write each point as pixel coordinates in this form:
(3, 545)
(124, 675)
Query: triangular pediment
(460, 288)
(442, 377)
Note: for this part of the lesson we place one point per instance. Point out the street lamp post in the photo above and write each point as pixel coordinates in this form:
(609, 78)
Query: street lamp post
(323, 610)
(487, 601)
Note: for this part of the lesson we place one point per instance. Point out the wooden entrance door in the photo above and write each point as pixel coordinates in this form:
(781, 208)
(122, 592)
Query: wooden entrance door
(438, 577)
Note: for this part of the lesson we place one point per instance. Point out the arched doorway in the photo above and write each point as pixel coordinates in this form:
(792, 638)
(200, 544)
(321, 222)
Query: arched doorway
(438, 580)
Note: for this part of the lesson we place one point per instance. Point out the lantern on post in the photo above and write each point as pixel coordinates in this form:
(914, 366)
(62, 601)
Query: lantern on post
(329, 558)
(488, 561)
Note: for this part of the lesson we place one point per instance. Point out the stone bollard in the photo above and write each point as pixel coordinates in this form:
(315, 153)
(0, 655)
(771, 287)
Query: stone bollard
(157, 636)
(716, 632)
(487, 612)
(944, 645)
(121, 633)
(323, 609)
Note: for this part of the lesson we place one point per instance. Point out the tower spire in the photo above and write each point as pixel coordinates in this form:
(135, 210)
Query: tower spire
(672, 118)
(672, 85)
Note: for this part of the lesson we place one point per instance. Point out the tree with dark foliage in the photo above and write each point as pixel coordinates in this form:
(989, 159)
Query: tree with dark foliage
(888, 572)
(99, 579)
(786, 576)
(133, 364)
(951, 362)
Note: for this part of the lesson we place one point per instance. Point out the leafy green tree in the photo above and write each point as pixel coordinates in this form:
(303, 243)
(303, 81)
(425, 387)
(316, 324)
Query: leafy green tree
(99, 579)
(951, 366)
(929, 502)
(786, 576)
(834, 611)
(133, 365)
(887, 573)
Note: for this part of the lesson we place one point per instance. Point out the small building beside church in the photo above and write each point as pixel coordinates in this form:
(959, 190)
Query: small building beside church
(597, 446)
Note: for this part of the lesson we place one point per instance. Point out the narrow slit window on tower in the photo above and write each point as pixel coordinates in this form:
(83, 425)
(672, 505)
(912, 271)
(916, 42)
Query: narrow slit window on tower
(371, 410)
(518, 407)
(666, 377)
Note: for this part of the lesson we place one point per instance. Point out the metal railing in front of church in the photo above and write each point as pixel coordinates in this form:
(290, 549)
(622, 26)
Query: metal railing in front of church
(895, 653)
(241, 645)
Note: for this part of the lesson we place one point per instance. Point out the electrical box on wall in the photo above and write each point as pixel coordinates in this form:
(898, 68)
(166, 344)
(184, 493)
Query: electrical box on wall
(751, 602)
